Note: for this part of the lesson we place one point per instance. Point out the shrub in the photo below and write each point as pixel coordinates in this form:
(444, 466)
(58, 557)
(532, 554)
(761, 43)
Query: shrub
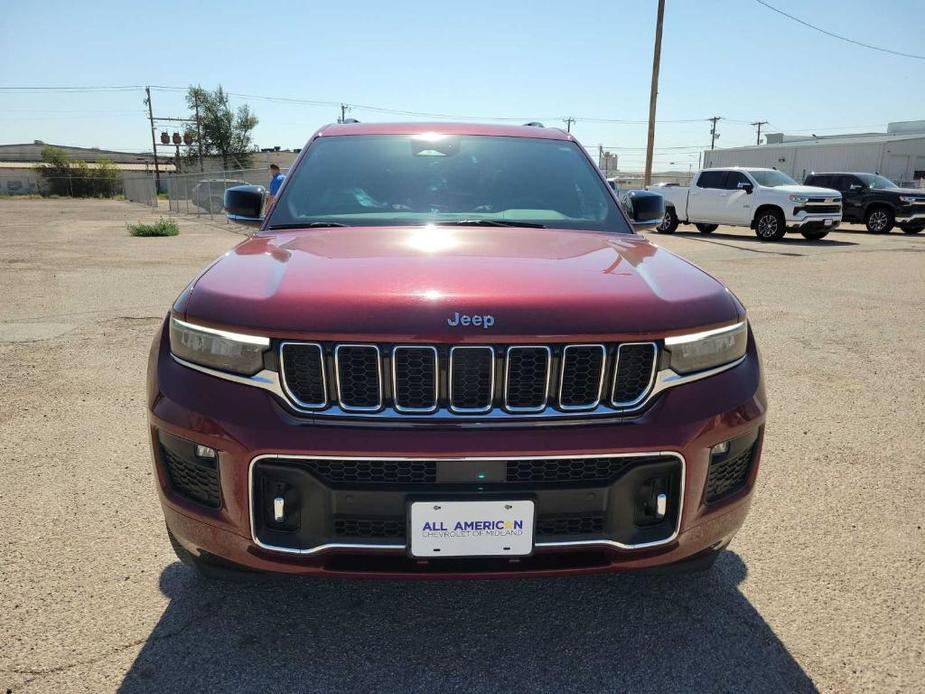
(77, 179)
(162, 227)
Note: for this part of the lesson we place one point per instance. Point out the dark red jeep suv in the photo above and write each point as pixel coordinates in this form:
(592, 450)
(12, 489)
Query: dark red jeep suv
(446, 351)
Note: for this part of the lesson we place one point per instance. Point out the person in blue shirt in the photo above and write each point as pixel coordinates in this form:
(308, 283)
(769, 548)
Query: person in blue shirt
(276, 180)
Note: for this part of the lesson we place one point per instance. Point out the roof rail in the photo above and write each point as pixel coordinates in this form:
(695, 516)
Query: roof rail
(534, 124)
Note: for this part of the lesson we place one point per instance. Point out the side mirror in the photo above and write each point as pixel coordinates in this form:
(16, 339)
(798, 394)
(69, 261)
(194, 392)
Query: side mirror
(646, 209)
(747, 187)
(244, 204)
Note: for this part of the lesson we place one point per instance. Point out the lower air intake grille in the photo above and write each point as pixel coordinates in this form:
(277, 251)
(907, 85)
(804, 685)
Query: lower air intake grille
(394, 528)
(572, 524)
(303, 373)
(380, 471)
(370, 527)
(728, 476)
(598, 470)
(633, 373)
(191, 477)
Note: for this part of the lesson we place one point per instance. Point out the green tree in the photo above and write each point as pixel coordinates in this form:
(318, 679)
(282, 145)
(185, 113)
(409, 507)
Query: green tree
(225, 131)
(77, 179)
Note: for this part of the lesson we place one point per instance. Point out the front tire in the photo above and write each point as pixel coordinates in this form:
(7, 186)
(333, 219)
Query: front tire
(669, 222)
(769, 225)
(912, 228)
(879, 220)
(707, 228)
(815, 235)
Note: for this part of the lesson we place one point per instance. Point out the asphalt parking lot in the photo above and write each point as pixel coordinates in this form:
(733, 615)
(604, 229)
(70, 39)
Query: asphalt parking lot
(823, 588)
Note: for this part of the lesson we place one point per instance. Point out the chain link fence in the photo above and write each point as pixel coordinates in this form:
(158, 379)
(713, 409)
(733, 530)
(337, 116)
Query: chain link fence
(140, 189)
(78, 186)
(204, 193)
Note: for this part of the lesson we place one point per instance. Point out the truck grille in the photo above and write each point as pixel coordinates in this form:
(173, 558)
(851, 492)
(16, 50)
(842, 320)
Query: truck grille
(467, 380)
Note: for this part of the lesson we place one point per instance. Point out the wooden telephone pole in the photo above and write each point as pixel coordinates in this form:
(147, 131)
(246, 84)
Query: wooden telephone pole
(157, 170)
(653, 92)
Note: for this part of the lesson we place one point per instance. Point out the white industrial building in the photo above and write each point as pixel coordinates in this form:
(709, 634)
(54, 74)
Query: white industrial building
(898, 154)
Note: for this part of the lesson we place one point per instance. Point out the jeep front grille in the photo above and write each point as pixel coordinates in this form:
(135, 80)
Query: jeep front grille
(467, 380)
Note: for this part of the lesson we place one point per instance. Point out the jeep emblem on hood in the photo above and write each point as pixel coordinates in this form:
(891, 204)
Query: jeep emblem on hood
(484, 322)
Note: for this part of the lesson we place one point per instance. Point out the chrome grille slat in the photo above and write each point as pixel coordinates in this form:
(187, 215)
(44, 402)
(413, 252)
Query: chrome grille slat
(581, 376)
(415, 378)
(471, 379)
(526, 378)
(634, 373)
(359, 377)
(303, 374)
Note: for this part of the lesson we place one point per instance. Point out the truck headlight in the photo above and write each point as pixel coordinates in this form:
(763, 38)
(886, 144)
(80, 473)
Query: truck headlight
(217, 349)
(798, 198)
(910, 198)
(708, 349)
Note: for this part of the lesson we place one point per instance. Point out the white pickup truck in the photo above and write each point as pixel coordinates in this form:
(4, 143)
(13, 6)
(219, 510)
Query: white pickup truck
(765, 200)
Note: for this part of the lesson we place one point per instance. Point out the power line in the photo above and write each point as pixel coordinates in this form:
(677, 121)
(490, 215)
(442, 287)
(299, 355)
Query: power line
(839, 36)
(118, 88)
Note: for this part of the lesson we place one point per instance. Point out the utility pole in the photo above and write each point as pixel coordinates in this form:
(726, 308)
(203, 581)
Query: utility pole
(157, 170)
(759, 123)
(653, 91)
(343, 113)
(198, 133)
(568, 124)
(713, 134)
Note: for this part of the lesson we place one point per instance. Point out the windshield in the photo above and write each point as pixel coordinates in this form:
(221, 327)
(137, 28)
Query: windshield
(876, 182)
(771, 179)
(387, 180)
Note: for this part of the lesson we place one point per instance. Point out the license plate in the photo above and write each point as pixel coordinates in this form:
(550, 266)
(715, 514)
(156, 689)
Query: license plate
(471, 528)
(828, 222)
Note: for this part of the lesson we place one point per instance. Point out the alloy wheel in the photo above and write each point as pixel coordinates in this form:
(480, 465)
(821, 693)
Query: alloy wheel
(878, 220)
(767, 226)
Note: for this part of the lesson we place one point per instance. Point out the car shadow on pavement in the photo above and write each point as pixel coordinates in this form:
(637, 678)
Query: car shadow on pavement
(789, 241)
(616, 632)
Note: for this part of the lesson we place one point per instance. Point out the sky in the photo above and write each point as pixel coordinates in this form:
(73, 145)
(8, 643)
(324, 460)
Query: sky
(482, 60)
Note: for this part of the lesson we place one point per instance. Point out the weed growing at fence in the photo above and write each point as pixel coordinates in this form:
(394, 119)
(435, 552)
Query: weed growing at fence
(162, 227)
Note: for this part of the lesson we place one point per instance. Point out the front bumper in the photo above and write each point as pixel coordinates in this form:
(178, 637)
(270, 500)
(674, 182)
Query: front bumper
(805, 221)
(249, 428)
(910, 214)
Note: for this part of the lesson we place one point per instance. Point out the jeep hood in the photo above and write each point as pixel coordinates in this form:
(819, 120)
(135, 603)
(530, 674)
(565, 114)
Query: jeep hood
(405, 283)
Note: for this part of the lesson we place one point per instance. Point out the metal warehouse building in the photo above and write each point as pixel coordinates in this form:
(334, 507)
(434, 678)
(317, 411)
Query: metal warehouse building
(898, 154)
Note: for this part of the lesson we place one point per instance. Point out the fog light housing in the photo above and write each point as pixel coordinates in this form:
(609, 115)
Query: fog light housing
(720, 448)
(205, 452)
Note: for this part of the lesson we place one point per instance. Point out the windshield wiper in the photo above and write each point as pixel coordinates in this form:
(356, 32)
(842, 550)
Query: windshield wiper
(305, 225)
(490, 223)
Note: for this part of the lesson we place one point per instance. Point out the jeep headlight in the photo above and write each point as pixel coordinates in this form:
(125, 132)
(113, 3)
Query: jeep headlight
(798, 198)
(217, 349)
(708, 349)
